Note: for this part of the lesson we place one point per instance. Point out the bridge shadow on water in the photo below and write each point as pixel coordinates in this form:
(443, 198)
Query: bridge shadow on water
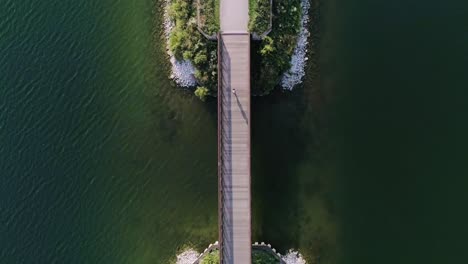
(276, 151)
(288, 149)
(290, 168)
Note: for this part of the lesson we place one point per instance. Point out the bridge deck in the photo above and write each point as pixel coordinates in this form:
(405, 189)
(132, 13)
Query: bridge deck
(234, 16)
(234, 149)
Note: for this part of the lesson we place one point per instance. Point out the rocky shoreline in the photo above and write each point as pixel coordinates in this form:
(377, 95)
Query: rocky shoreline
(299, 58)
(182, 72)
(293, 257)
(187, 257)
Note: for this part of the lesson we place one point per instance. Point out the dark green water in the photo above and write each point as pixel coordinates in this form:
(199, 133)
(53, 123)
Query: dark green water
(104, 161)
(401, 74)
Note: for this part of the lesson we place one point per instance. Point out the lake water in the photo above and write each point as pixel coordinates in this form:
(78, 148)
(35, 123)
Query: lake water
(105, 161)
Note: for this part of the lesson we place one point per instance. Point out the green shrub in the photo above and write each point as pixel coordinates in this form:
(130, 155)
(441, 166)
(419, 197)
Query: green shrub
(209, 15)
(179, 10)
(268, 47)
(202, 92)
(200, 58)
(259, 14)
(212, 258)
(177, 40)
(262, 257)
(188, 55)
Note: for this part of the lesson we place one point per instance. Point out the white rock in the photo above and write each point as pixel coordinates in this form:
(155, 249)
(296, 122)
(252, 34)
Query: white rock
(293, 257)
(187, 257)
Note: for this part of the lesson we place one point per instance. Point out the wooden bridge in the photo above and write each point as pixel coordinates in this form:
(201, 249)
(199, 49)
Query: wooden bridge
(234, 148)
(234, 133)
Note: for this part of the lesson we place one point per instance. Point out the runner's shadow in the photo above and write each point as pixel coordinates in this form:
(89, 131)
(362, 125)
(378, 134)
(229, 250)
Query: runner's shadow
(244, 115)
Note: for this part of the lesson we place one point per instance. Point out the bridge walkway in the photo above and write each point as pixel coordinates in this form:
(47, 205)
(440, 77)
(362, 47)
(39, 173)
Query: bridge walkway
(234, 147)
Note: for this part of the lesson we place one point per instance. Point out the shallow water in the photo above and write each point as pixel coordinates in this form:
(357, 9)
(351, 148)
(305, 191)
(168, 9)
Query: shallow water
(104, 161)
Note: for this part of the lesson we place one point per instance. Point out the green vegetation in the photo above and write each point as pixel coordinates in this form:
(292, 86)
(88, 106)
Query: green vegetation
(272, 56)
(263, 257)
(209, 16)
(259, 14)
(202, 92)
(186, 42)
(212, 258)
(258, 257)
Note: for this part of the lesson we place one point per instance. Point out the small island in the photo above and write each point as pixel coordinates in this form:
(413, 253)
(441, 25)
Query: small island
(278, 50)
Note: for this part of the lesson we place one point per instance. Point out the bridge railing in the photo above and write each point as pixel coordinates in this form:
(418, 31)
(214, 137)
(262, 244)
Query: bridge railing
(220, 146)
